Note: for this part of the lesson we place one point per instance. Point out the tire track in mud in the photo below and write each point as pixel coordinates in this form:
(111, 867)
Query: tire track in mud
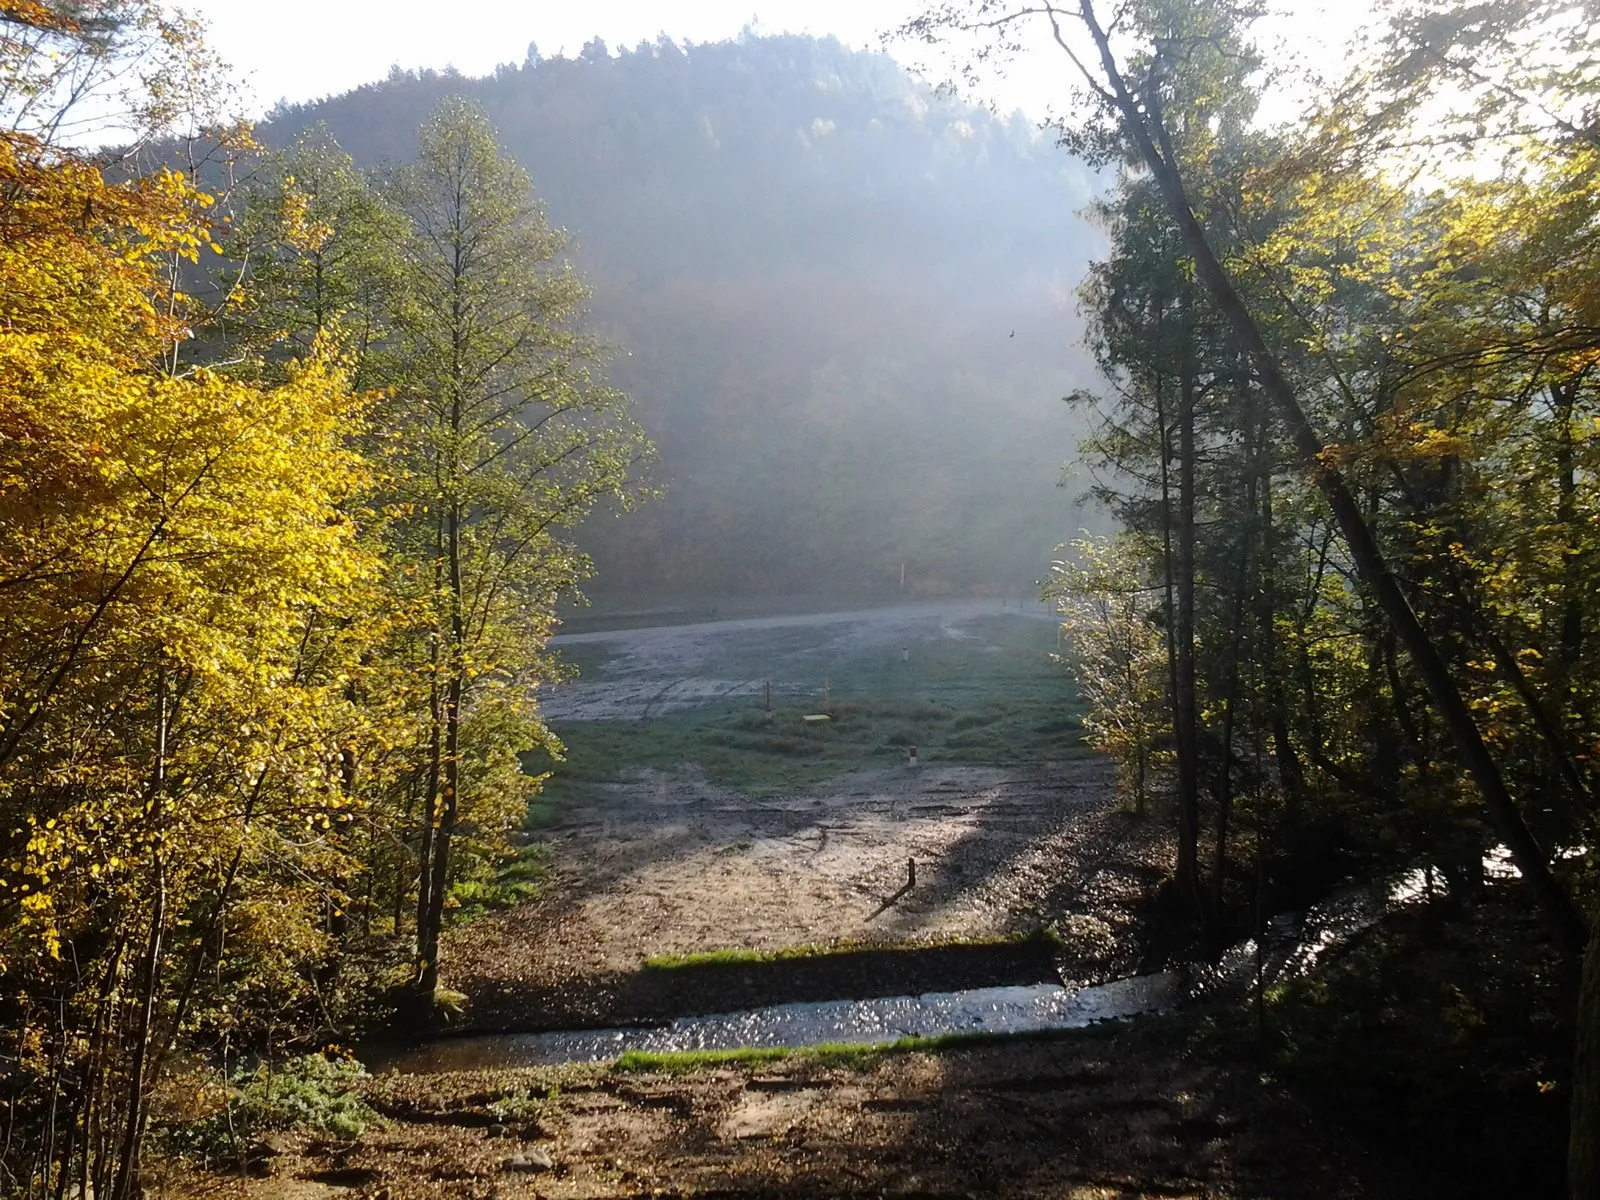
(732, 689)
(644, 713)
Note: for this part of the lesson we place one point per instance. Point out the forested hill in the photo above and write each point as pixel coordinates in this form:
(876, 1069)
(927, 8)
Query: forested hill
(844, 306)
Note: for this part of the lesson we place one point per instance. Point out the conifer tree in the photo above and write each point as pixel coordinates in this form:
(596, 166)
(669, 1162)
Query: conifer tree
(508, 437)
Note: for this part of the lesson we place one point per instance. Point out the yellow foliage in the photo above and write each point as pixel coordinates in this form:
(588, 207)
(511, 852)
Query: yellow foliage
(152, 523)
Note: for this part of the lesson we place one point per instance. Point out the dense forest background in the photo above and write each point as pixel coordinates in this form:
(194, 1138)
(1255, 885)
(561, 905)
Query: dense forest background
(842, 303)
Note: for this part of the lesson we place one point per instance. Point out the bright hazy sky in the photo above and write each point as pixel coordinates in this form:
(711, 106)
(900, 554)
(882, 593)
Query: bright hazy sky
(304, 49)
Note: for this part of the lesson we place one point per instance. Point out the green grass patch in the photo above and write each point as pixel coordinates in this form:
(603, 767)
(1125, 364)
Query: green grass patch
(728, 957)
(855, 1055)
(310, 1093)
(731, 956)
(993, 698)
(515, 880)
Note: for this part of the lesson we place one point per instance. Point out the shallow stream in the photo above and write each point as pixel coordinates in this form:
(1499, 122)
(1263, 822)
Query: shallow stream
(1291, 947)
(1024, 1009)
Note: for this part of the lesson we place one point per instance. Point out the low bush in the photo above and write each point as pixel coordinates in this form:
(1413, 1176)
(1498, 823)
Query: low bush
(313, 1093)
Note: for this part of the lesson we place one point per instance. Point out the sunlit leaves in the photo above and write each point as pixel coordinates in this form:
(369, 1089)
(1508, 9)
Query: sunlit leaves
(172, 546)
(1118, 655)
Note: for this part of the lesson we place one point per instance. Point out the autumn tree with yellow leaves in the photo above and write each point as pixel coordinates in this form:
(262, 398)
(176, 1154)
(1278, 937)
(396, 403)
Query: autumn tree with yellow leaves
(233, 657)
(174, 546)
(492, 436)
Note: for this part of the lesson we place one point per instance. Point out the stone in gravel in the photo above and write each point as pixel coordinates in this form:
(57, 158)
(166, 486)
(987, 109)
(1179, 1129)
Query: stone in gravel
(497, 1131)
(271, 1145)
(260, 1153)
(531, 1159)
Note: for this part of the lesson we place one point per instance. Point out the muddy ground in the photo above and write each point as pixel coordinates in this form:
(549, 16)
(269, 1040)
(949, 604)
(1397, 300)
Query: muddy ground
(667, 859)
(670, 864)
(647, 672)
(1102, 1115)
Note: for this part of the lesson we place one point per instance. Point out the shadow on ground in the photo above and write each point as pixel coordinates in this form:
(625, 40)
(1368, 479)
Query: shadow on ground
(656, 995)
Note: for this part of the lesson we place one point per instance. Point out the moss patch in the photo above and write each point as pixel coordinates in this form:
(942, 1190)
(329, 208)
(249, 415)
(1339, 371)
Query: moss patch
(729, 956)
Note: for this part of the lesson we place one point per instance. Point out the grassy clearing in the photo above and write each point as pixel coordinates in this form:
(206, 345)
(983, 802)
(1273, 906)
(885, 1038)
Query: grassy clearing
(991, 698)
(855, 1055)
(672, 962)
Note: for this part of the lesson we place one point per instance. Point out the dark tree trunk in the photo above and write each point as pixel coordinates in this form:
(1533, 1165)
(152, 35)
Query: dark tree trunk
(1188, 865)
(430, 798)
(1169, 571)
(1224, 774)
(1583, 1149)
(127, 1177)
(1572, 598)
(1291, 775)
(428, 980)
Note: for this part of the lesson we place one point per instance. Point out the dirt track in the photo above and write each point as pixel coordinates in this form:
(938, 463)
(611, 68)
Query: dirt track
(668, 668)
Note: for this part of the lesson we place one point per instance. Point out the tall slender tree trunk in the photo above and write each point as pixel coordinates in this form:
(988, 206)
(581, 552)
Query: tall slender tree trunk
(349, 778)
(1169, 606)
(92, 1119)
(1566, 922)
(1185, 716)
(430, 799)
(1568, 709)
(1291, 775)
(1583, 1146)
(127, 1178)
(403, 872)
(1572, 595)
(1230, 705)
(453, 694)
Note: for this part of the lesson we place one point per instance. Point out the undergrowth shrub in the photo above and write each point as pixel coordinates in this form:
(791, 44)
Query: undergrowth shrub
(311, 1093)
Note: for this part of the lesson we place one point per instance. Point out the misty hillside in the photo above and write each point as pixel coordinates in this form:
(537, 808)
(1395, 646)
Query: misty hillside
(843, 305)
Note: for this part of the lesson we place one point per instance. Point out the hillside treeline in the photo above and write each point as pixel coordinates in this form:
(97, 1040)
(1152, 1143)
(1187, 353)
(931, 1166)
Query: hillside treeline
(846, 304)
(1351, 621)
(278, 571)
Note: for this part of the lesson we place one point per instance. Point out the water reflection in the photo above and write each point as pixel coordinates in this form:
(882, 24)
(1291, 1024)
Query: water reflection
(1291, 947)
(976, 1010)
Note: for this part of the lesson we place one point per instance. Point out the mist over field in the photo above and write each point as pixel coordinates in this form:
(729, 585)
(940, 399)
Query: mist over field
(843, 304)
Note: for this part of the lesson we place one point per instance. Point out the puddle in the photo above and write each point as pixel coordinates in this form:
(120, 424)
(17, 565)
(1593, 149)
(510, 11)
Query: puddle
(1017, 1009)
